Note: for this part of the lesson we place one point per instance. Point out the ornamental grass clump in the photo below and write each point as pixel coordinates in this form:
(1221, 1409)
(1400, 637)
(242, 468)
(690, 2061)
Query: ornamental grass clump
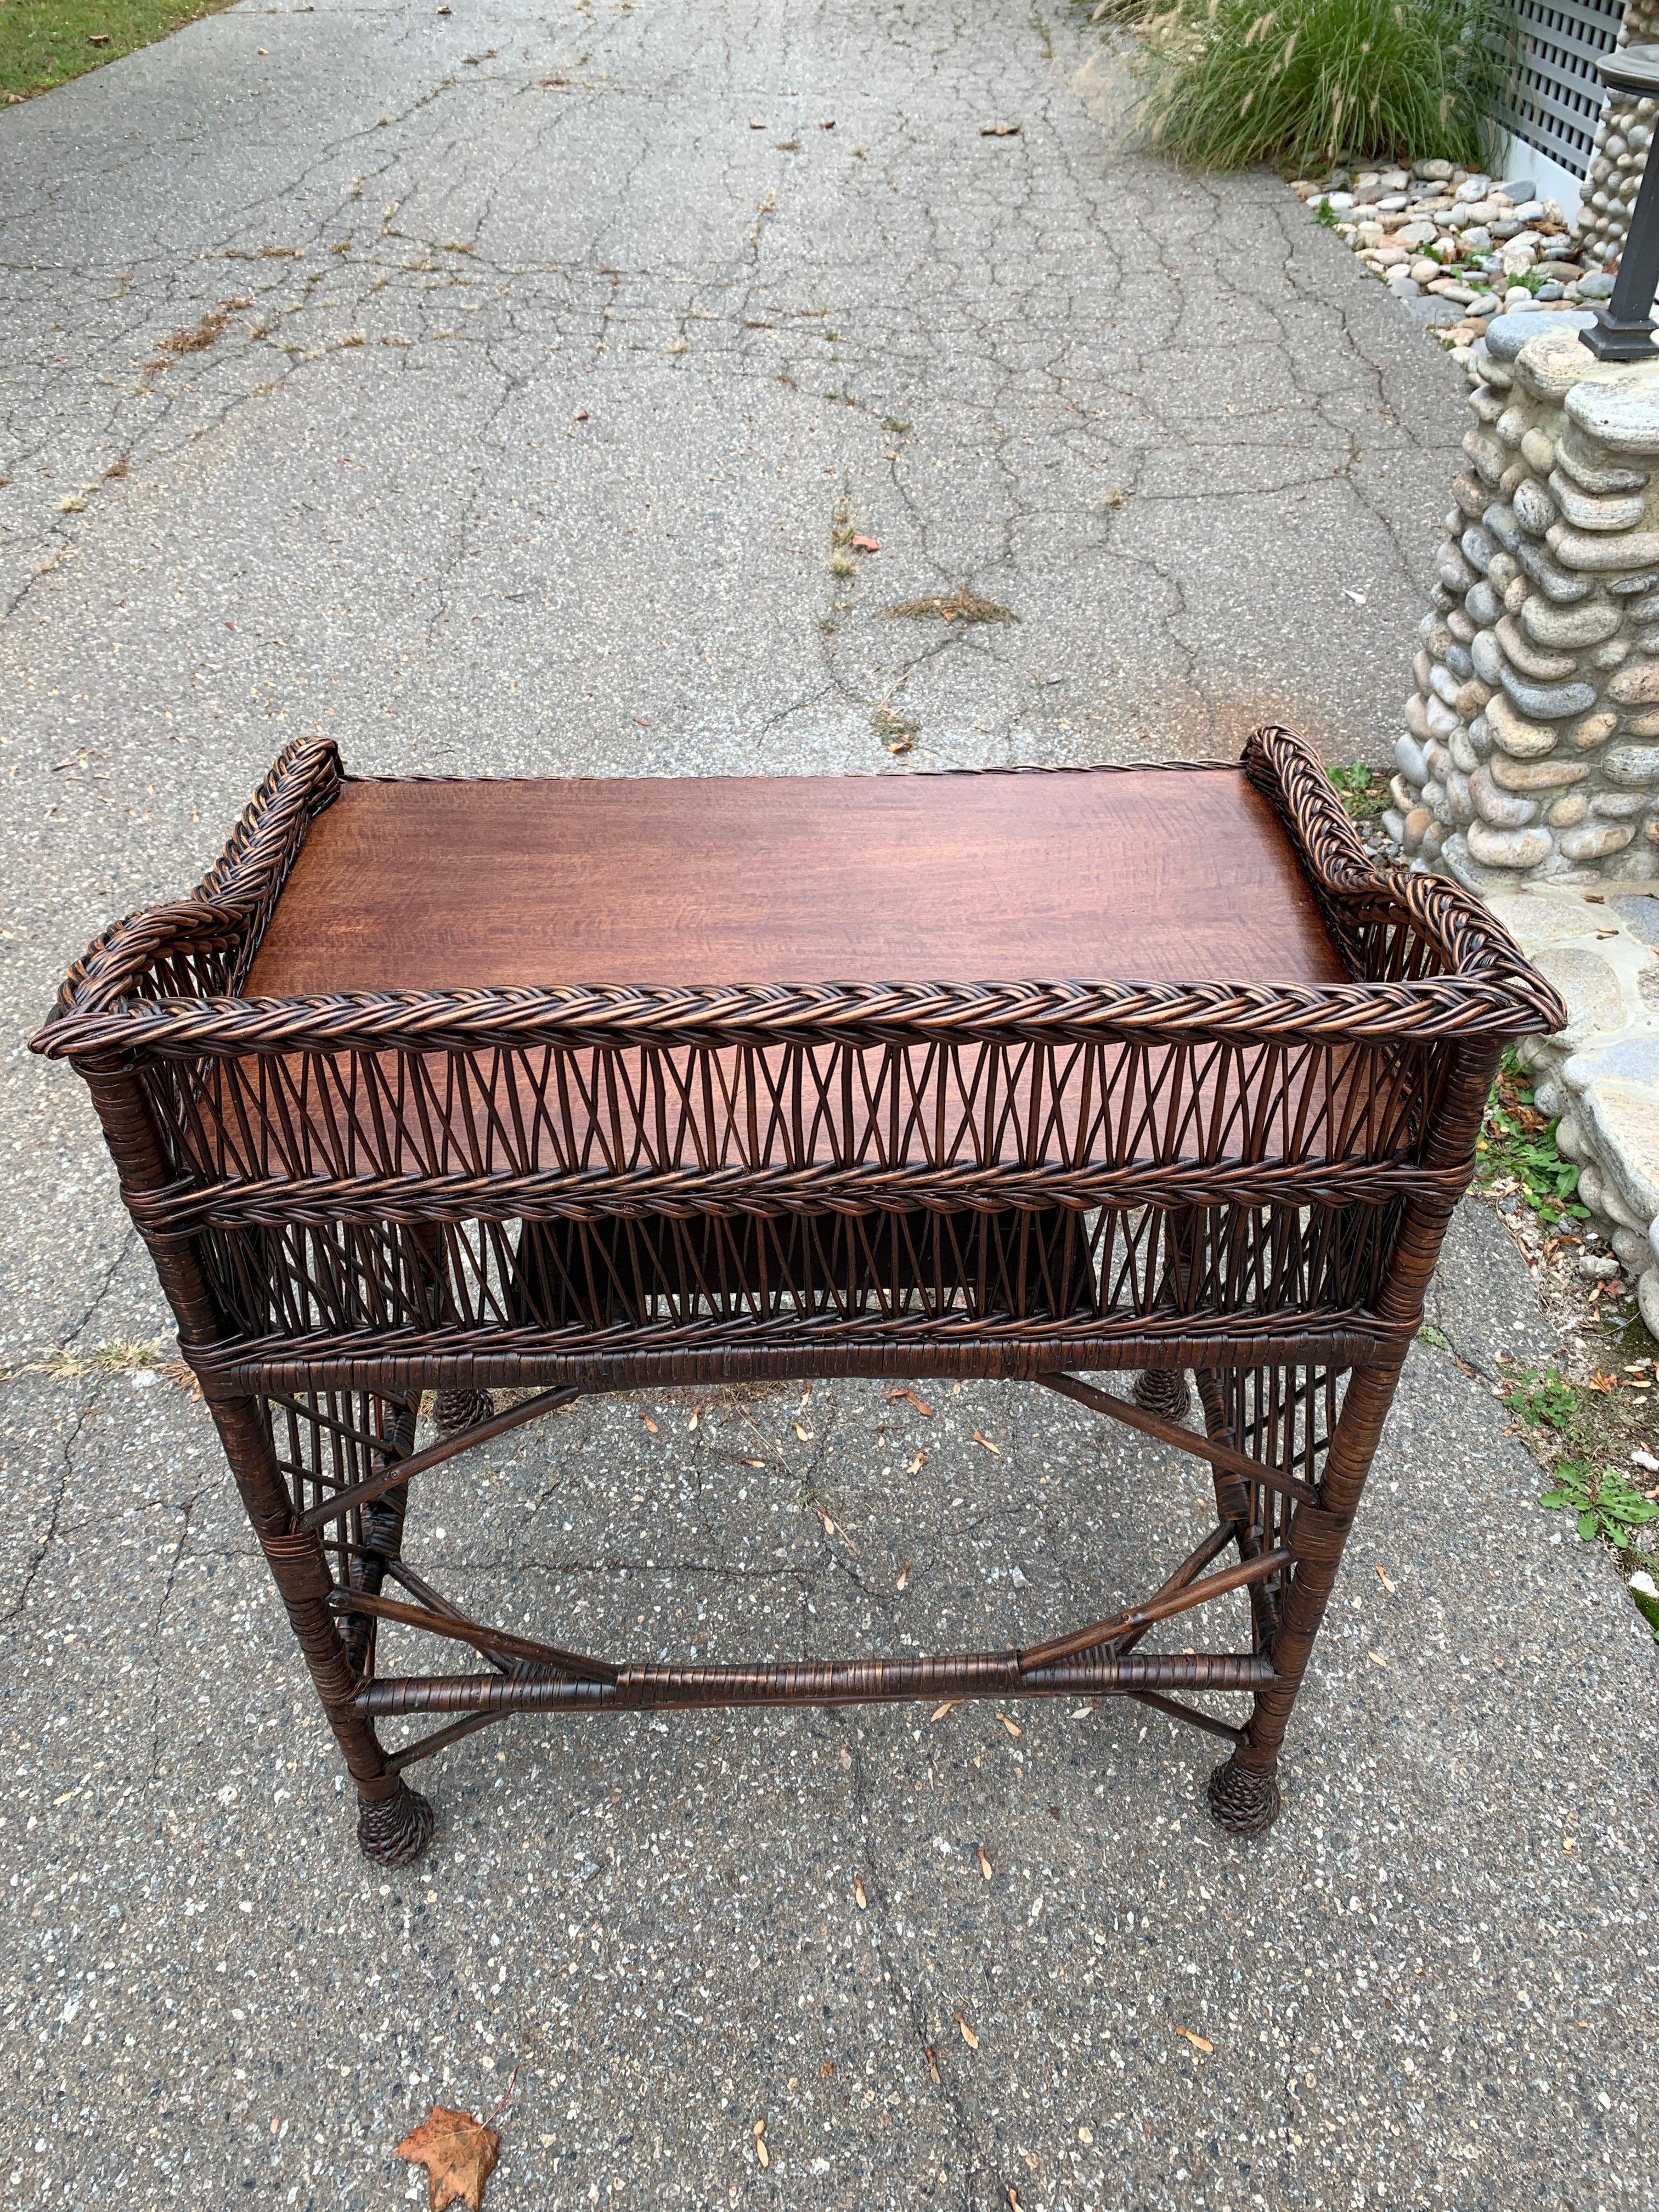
(1308, 82)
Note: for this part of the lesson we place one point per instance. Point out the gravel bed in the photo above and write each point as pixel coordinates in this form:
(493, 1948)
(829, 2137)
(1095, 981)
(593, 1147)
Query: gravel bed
(1456, 247)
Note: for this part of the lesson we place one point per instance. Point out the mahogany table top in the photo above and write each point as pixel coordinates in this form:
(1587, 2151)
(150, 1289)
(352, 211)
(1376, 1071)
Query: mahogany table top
(1147, 875)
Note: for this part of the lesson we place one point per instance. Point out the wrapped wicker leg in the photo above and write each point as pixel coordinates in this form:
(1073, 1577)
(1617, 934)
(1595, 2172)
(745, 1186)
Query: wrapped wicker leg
(394, 1831)
(1243, 1800)
(1164, 1391)
(462, 1409)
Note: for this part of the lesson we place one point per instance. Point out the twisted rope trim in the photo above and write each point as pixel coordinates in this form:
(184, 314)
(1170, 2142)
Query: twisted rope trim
(1489, 991)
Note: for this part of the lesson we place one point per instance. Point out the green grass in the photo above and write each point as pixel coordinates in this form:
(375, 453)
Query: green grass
(44, 43)
(1310, 82)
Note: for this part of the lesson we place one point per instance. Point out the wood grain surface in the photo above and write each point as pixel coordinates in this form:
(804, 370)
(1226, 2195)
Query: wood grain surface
(1141, 875)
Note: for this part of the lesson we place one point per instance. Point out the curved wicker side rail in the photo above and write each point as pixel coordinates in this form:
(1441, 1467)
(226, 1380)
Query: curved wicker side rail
(355, 1198)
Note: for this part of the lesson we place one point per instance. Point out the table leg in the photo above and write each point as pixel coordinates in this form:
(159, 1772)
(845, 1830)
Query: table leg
(394, 1822)
(453, 1410)
(1244, 1789)
(1165, 1390)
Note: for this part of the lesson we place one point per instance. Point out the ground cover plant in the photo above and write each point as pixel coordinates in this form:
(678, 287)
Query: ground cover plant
(43, 43)
(1226, 82)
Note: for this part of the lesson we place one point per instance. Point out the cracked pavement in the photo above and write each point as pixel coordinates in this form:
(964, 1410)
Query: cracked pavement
(482, 388)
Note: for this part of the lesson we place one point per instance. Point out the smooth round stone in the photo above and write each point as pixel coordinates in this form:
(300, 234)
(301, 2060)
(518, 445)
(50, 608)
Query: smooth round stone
(1541, 667)
(1424, 270)
(1549, 702)
(1403, 287)
(1534, 510)
(1595, 839)
(1483, 604)
(1509, 848)
(1563, 813)
(1638, 686)
(1519, 738)
(1596, 287)
(1411, 760)
(1546, 624)
(1502, 808)
(1632, 765)
(1619, 409)
(1618, 805)
(1476, 238)
(1592, 730)
(1487, 657)
(1535, 775)
(1590, 474)
(1590, 511)
(1551, 292)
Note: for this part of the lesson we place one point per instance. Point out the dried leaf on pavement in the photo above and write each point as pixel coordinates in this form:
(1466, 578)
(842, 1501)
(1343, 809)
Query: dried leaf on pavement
(1199, 2042)
(968, 2035)
(859, 1897)
(459, 2154)
(904, 1574)
(917, 1464)
(761, 2152)
(985, 1866)
(1013, 1727)
(995, 1450)
(920, 1404)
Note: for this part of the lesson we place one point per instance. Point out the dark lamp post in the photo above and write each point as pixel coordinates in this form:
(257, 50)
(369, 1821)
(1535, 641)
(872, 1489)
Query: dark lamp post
(1624, 329)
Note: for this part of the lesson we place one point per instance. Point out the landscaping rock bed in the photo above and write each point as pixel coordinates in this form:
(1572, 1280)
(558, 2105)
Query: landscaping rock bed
(1457, 248)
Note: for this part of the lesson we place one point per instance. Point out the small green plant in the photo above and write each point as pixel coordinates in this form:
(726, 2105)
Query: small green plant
(1325, 215)
(1227, 83)
(1604, 1505)
(1545, 1400)
(1516, 1146)
(1644, 1595)
(1363, 792)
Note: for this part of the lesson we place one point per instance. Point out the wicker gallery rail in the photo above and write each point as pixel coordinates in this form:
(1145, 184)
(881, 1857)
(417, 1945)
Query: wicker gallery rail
(459, 1086)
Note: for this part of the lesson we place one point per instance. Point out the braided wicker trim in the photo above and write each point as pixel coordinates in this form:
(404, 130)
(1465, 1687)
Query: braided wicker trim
(1485, 988)
(279, 1202)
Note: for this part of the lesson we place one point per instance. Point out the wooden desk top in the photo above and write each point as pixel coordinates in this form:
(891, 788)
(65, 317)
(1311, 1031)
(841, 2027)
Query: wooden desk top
(1145, 875)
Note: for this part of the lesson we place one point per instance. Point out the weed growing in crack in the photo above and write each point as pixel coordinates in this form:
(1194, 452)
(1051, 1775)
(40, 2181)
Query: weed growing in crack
(1604, 1505)
(212, 327)
(1516, 1152)
(961, 606)
(896, 732)
(1363, 793)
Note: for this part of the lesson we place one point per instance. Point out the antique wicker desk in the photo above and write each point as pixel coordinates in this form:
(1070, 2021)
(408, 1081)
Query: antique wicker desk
(592, 1085)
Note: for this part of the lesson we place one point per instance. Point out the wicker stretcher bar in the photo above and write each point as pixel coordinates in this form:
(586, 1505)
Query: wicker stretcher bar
(587, 1086)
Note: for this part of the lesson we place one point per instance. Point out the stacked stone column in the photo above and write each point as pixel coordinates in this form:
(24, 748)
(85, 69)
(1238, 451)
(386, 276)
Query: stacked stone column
(1620, 152)
(1532, 745)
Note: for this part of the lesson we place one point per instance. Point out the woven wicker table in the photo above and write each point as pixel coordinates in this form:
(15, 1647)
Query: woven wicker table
(586, 1086)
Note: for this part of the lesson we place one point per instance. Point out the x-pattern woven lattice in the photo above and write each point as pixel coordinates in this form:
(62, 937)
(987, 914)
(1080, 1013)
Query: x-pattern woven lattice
(354, 1196)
